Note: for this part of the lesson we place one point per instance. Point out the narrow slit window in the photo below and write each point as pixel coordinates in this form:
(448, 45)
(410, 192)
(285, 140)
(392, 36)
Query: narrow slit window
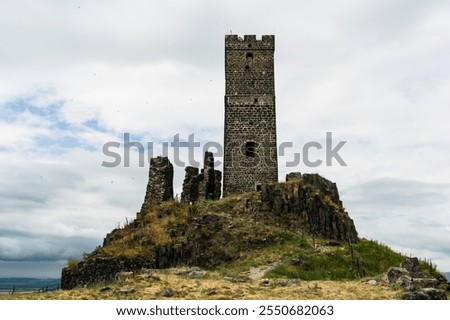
(249, 57)
(250, 149)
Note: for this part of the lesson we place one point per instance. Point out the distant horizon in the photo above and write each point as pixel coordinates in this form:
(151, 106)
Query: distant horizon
(31, 269)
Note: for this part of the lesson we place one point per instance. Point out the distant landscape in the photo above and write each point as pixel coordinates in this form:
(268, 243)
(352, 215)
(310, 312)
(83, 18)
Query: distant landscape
(28, 284)
(447, 275)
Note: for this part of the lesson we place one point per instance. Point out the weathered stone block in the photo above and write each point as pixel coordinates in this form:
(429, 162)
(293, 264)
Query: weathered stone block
(412, 265)
(425, 294)
(293, 176)
(190, 174)
(422, 283)
(160, 182)
(394, 273)
(329, 188)
(206, 185)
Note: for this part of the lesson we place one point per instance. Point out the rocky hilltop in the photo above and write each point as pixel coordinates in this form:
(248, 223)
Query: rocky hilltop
(204, 232)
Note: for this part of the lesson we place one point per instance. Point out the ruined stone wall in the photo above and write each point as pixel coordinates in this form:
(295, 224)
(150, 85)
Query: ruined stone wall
(206, 185)
(160, 182)
(100, 270)
(188, 195)
(217, 185)
(211, 235)
(250, 156)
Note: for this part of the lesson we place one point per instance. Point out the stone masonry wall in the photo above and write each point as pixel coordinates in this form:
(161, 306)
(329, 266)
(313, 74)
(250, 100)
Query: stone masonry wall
(206, 185)
(190, 174)
(250, 156)
(160, 182)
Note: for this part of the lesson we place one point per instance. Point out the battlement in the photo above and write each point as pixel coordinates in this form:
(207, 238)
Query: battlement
(249, 42)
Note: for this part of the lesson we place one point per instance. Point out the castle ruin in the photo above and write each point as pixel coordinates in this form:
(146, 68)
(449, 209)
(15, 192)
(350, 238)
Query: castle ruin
(250, 140)
(208, 236)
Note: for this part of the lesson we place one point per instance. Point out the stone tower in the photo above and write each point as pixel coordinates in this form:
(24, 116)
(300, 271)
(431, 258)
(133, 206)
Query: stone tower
(250, 144)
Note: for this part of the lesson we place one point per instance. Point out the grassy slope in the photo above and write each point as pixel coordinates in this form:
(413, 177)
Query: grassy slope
(321, 269)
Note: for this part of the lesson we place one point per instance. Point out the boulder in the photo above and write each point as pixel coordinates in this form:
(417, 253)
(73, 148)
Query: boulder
(412, 265)
(405, 282)
(167, 292)
(425, 294)
(435, 294)
(372, 282)
(394, 273)
(421, 283)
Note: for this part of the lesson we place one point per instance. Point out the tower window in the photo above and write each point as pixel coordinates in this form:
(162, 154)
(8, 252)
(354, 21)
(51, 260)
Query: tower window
(249, 57)
(250, 149)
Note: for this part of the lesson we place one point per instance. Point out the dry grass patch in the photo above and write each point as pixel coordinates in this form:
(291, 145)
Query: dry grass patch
(155, 285)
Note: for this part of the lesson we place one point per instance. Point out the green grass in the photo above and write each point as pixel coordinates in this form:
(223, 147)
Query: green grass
(375, 257)
(318, 262)
(316, 259)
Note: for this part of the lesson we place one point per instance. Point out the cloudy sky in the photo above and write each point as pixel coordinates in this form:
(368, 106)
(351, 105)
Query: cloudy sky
(77, 74)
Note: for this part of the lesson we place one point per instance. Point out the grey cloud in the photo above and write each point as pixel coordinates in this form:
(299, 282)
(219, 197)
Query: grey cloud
(24, 246)
(153, 31)
(39, 184)
(392, 192)
(388, 20)
(406, 214)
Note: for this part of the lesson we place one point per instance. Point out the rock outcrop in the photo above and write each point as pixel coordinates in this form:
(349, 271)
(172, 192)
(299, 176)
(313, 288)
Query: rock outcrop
(209, 233)
(409, 277)
(313, 202)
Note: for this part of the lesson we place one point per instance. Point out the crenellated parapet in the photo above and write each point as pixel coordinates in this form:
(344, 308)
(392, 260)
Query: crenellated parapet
(233, 41)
